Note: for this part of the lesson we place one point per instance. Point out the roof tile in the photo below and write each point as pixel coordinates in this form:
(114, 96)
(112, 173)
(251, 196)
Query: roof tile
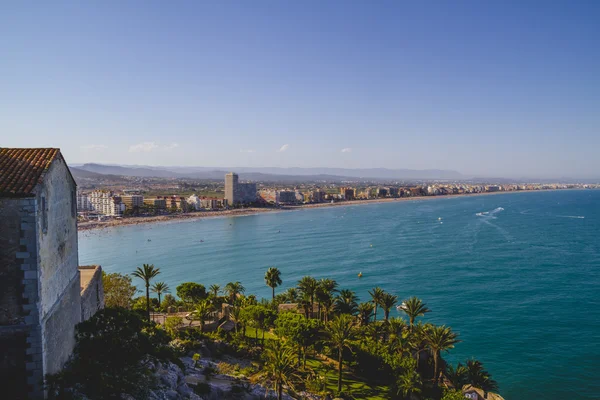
(22, 169)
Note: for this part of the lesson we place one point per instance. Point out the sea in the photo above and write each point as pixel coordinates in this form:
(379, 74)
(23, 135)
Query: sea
(517, 275)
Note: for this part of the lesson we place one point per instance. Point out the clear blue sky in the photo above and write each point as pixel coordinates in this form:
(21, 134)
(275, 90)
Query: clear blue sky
(483, 87)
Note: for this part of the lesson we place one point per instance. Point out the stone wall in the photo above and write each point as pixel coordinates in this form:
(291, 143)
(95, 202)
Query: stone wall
(21, 370)
(60, 303)
(92, 291)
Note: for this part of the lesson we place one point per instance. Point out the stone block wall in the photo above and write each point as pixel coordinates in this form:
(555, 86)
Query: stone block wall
(21, 371)
(92, 292)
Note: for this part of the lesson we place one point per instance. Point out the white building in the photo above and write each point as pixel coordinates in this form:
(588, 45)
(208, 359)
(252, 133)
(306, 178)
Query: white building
(105, 202)
(83, 202)
(195, 202)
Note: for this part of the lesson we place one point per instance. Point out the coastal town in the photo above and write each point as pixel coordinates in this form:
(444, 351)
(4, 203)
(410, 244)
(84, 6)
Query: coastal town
(110, 202)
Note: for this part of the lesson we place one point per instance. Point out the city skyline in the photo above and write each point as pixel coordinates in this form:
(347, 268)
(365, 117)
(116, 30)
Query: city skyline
(501, 90)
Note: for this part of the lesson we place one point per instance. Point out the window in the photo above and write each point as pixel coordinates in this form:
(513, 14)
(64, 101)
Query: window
(44, 215)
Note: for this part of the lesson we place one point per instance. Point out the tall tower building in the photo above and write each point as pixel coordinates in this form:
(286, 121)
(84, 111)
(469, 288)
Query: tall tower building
(231, 188)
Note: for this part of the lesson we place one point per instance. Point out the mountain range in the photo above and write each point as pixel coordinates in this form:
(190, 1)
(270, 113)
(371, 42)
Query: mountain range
(269, 173)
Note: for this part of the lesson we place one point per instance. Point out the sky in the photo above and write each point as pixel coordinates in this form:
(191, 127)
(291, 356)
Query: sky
(486, 88)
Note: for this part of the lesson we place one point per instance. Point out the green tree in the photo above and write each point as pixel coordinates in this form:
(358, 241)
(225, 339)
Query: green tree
(365, 312)
(439, 338)
(409, 383)
(168, 301)
(414, 307)
(201, 313)
(146, 273)
(301, 332)
(110, 350)
(279, 367)
(191, 292)
(325, 290)
(214, 289)
(159, 288)
(273, 279)
(477, 376)
(376, 295)
(291, 295)
(172, 325)
(341, 331)
(457, 376)
(118, 290)
(308, 286)
(388, 301)
(346, 302)
(232, 290)
(453, 394)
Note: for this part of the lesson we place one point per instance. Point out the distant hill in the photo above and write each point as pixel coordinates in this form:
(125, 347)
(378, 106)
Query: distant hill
(274, 174)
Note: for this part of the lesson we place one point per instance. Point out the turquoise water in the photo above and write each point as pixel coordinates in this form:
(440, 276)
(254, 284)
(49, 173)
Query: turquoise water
(517, 275)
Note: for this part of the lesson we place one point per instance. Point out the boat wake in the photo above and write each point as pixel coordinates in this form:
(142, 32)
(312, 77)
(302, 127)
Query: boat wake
(571, 216)
(489, 213)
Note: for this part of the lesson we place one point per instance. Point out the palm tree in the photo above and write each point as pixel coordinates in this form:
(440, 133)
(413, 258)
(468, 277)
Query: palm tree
(346, 302)
(457, 376)
(305, 305)
(147, 273)
(202, 312)
(328, 307)
(376, 294)
(233, 289)
(479, 377)
(414, 307)
(214, 289)
(325, 288)
(341, 331)
(273, 279)
(159, 288)
(280, 366)
(308, 286)
(291, 295)
(409, 383)
(396, 327)
(365, 312)
(439, 338)
(387, 302)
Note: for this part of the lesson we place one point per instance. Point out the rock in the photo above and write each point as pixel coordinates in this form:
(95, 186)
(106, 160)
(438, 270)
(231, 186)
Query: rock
(172, 395)
(184, 390)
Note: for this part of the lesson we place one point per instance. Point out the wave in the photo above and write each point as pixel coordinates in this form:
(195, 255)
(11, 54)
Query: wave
(571, 216)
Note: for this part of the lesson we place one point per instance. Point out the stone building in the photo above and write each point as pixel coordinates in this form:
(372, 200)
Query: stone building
(40, 284)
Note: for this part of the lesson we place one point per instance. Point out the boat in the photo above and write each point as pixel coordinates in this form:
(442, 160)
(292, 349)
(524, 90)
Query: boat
(360, 274)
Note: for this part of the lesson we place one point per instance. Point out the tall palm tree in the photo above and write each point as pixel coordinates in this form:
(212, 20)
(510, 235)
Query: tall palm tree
(273, 279)
(346, 302)
(159, 288)
(340, 334)
(414, 307)
(325, 289)
(376, 295)
(308, 286)
(396, 328)
(232, 289)
(202, 312)
(214, 289)
(365, 312)
(147, 272)
(327, 307)
(439, 338)
(305, 305)
(280, 366)
(388, 301)
(409, 383)
(479, 377)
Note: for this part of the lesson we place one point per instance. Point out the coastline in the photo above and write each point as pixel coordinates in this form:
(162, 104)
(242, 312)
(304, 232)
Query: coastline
(93, 225)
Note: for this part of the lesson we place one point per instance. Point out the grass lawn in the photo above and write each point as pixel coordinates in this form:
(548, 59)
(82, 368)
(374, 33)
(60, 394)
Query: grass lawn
(351, 384)
(250, 332)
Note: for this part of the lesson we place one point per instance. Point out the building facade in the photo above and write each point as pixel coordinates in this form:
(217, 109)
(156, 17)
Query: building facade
(239, 193)
(40, 286)
(105, 202)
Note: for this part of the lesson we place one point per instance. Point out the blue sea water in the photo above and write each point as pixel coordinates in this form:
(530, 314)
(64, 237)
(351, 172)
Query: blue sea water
(517, 275)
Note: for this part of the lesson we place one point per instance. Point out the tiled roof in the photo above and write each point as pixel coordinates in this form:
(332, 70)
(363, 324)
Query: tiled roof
(22, 169)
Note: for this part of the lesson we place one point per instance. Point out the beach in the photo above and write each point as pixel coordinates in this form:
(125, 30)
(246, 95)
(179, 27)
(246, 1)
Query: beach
(89, 225)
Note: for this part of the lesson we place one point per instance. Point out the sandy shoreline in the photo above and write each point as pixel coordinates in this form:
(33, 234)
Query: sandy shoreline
(89, 225)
